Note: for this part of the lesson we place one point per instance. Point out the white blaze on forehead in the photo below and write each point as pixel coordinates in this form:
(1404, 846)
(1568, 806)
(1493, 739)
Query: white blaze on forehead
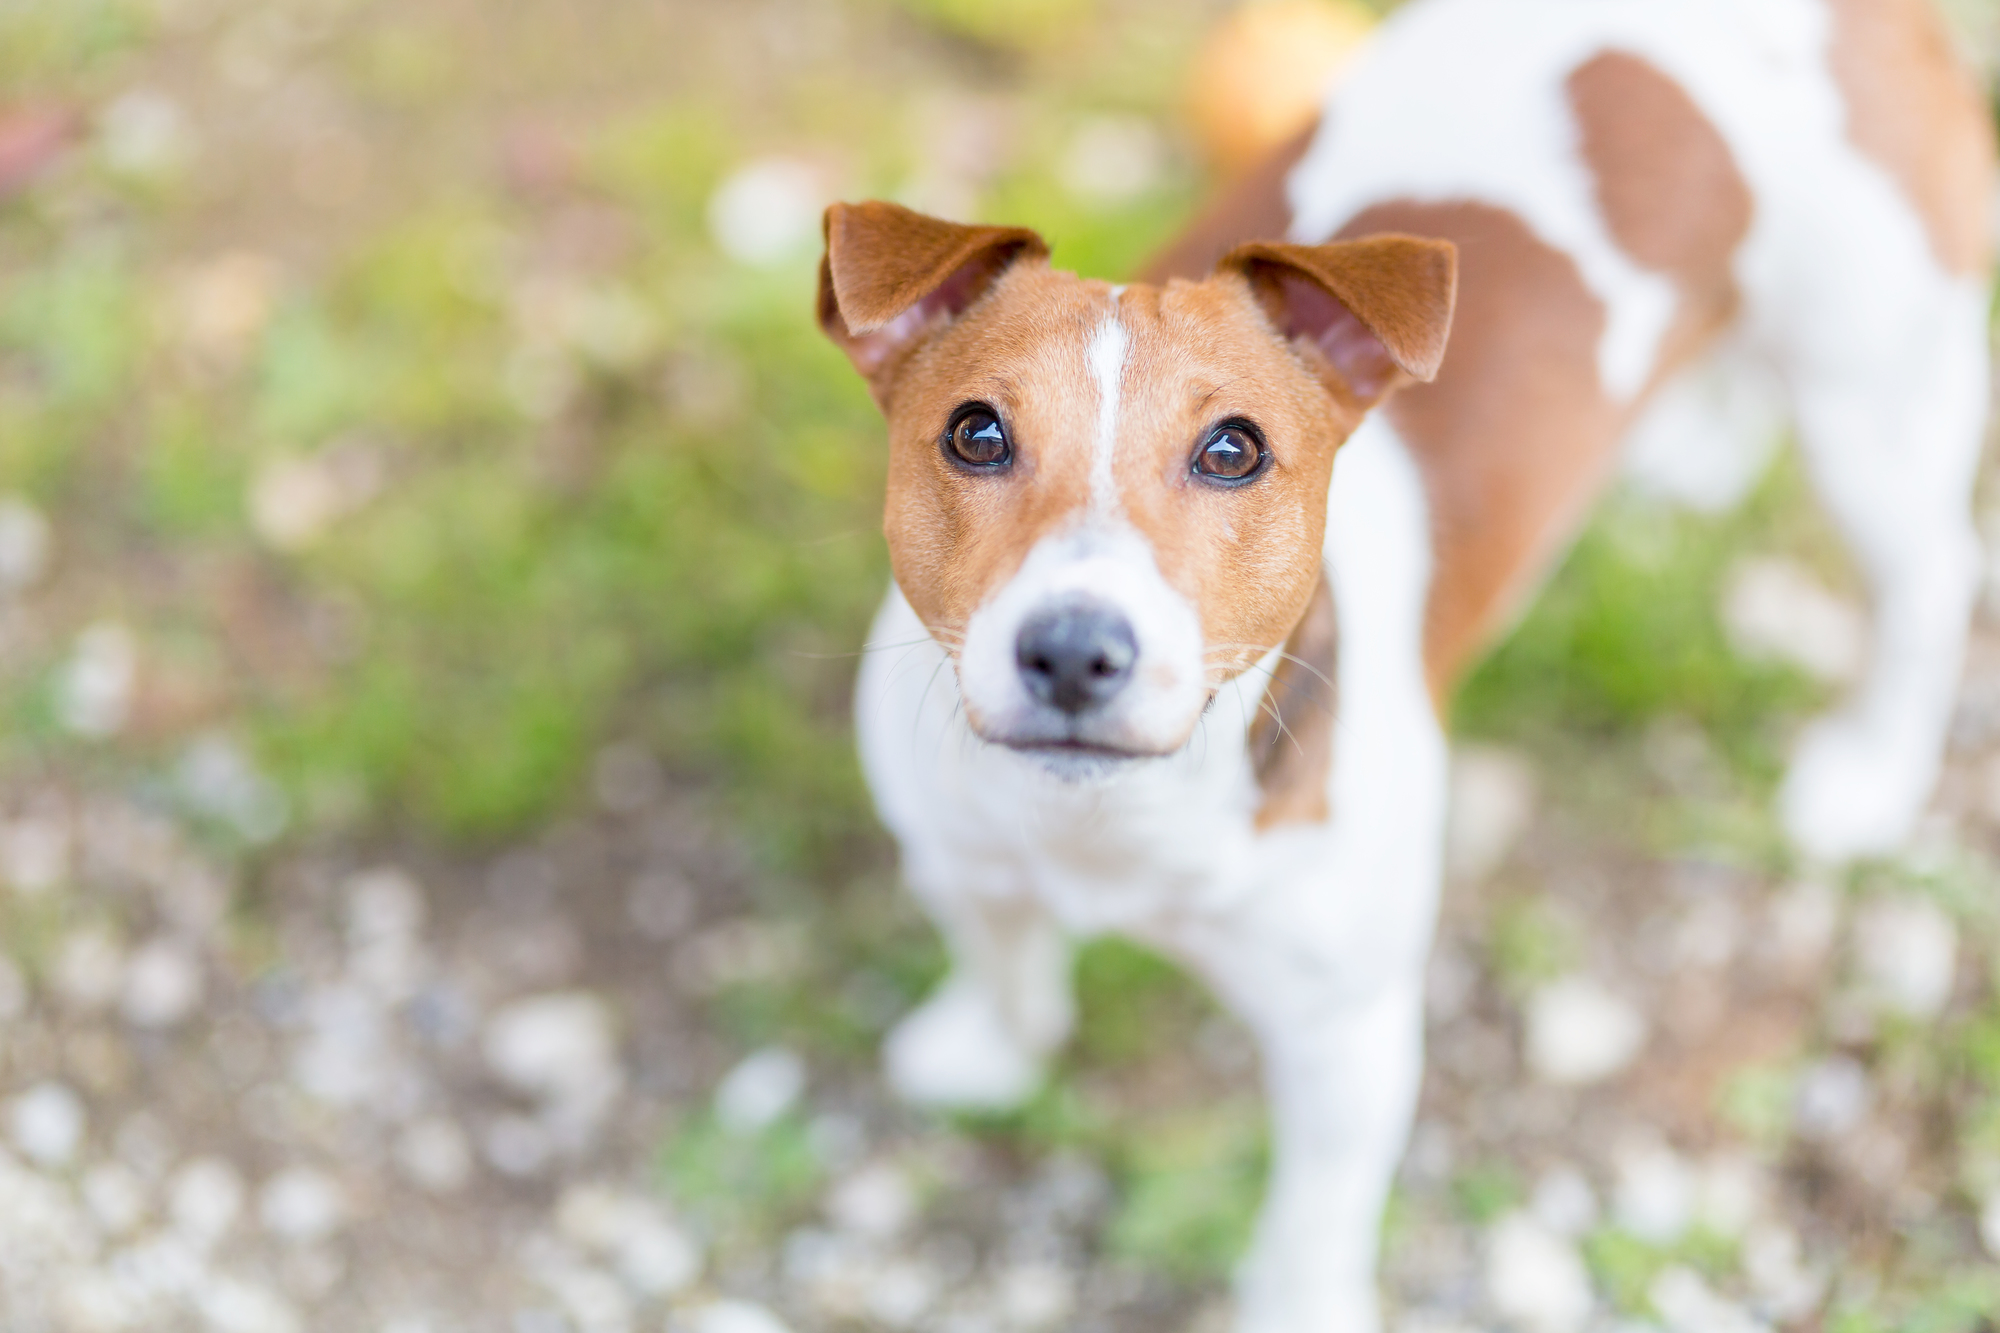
(1107, 367)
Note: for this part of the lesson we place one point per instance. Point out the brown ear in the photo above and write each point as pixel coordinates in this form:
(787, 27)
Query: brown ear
(891, 275)
(1371, 308)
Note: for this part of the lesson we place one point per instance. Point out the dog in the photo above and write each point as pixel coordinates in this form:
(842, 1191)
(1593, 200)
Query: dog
(1153, 664)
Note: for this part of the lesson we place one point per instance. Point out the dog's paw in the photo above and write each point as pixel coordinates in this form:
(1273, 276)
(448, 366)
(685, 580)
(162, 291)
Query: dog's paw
(955, 1052)
(1853, 792)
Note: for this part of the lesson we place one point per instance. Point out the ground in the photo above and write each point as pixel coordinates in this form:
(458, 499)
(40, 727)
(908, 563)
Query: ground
(436, 891)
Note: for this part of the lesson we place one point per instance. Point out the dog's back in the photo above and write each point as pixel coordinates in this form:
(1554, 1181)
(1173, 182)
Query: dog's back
(1628, 181)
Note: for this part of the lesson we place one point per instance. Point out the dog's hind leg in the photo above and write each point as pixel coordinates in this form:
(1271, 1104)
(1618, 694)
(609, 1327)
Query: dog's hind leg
(979, 1042)
(1891, 414)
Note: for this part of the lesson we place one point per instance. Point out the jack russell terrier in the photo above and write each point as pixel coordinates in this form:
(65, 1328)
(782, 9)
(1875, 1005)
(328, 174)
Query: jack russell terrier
(1152, 664)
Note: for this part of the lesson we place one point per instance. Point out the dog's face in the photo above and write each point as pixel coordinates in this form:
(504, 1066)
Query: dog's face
(1107, 502)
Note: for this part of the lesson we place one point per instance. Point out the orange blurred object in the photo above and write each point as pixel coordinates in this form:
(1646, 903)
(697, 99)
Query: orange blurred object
(31, 138)
(1262, 74)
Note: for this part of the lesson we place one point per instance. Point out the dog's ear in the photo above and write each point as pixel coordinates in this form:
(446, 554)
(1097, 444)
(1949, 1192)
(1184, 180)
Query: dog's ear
(891, 276)
(1371, 310)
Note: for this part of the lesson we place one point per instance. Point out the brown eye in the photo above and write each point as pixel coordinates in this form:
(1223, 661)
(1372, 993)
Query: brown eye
(977, 439)
(1233, 453)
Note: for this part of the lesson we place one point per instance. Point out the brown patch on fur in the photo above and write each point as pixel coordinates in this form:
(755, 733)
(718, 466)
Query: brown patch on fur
(1291, 739)
(1252, 208)
(1912, 107)
(1515, 435)
(1667, 183)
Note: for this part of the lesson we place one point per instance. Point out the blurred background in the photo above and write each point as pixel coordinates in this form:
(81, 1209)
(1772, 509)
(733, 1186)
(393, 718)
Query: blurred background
(436, 889)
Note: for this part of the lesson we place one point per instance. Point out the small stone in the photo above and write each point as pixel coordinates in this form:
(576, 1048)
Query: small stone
(1564, 1202)
(558, 1046)
(46, 1123)
(593, 1300)
(1580, 1033)
(95, 688)
(1831, 1099)
(901, 1292)
(1493, 798)
(875, 1202)
(662, 904)
(1989, 1224)
(302, 1204)
(734, 1317)
(293, 501)
(218, 780)
(1687, 1305)
(383, 903)
(89, 970)
(1035, 1296)
(35, 853)
(517, 1145)
(627, 778)
(760, 1090)
(1730, 1190)
(231, 1305)
(163, 985)
(115, 1196)
(1535, 1280)
(205, 1198)
(767, 212)
(24, 544)
(1785, 1288)
(1655, 1195)
(435, 1155)
(1906, 951)
(1775, 609)
(656, 1258)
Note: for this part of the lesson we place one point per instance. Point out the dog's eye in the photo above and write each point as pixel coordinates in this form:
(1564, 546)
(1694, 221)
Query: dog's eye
(1232, 453)
(977, 439)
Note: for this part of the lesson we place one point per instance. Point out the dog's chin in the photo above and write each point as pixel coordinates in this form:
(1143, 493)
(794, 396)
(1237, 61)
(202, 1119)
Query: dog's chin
(1081, 764)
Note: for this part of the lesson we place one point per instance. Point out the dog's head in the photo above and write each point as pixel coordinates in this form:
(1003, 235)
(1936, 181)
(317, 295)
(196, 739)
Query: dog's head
(1106, 502)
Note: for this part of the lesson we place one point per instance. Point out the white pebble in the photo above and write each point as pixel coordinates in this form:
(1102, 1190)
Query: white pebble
(1989, 1224)
(875, 1202)
(1730, 1191)
(553, 1046)
(1776, 609)
(1493, 797)
(435, 1155)
(46, 1123)
(767, 212)
(163, 985)
(218, 779)
(734, 1317)
(115, 1196)
(144, 134)
(1687, 1305)
(1564, 1202)
(205, 1198)
(1035, 1296)
(901, 1292)
(34, 853)
(1535, 1280)
(386, 901)
(1832, 1098)
(89, 970)
(94, 691)
(657, 1258)
(1785, 1287)
(1578, 1032)
(760, 1090)
(1655, 1195)
(231, 1305)
(24, 543)
(302, 1204)
(517, 1145)
(1906, 950)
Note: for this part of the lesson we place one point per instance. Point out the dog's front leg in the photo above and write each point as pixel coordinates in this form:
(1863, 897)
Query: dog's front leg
(1342, 1070)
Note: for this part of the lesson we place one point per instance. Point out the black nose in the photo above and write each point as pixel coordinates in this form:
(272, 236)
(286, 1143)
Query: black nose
(1076, 655)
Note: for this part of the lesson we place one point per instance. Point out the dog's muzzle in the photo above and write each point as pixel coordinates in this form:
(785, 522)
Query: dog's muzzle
(1076, 656)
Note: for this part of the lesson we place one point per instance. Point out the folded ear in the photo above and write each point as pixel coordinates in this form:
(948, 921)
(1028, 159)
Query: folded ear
(891, 276)
(1371, 308)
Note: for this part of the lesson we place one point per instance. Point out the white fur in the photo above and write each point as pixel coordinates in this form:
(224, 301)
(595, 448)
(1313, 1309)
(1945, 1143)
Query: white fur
(1316, 934)
(1107, 370)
